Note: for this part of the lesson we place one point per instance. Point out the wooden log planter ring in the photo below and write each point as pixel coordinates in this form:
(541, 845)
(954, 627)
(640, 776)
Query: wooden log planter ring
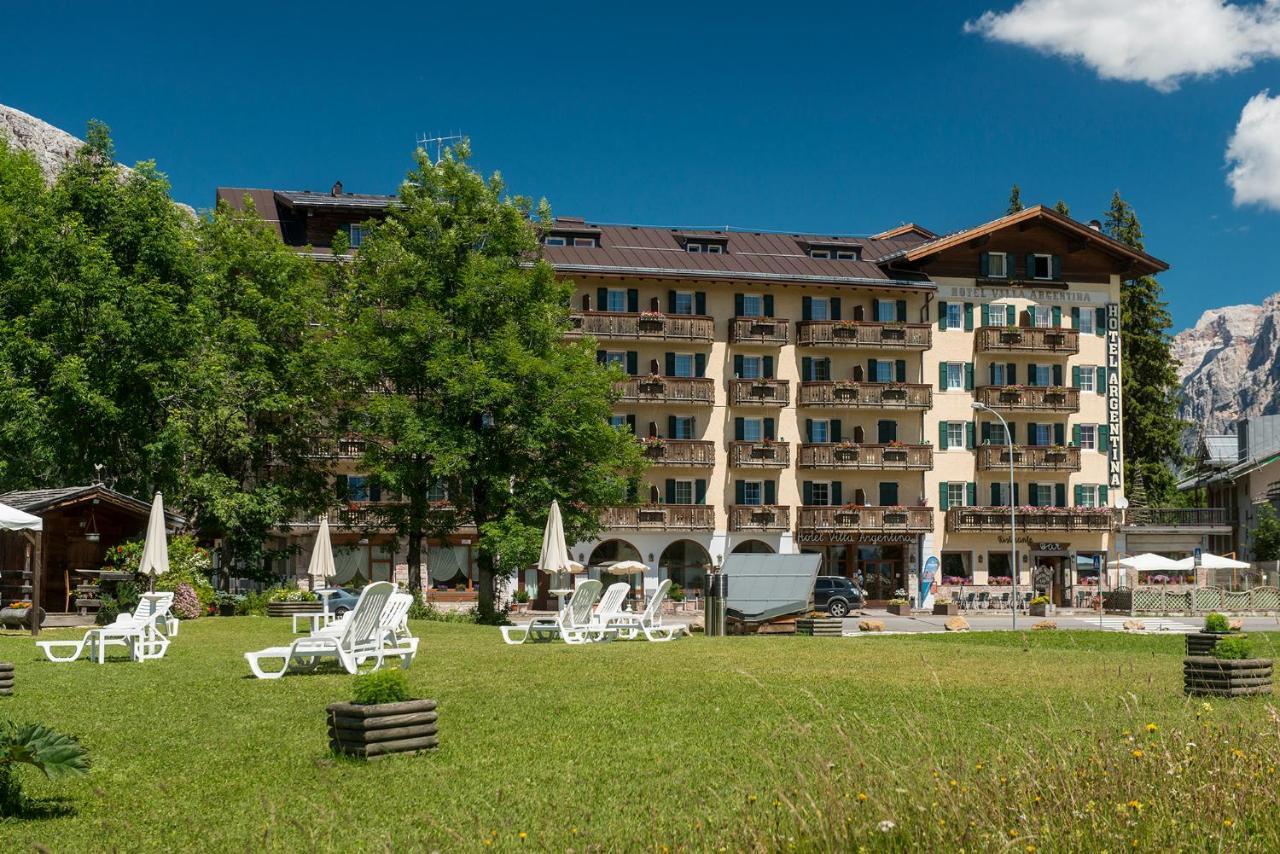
(379, 730)
(820, 627)
(6, 678)
(1224, 677)
(288, 609)
(1203, 643)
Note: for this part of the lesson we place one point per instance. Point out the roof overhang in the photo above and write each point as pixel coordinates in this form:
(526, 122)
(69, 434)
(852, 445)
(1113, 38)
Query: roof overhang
(736, 275)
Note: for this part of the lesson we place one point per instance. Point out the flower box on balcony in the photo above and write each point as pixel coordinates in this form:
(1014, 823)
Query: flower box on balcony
(847, 517)
(763, 327)
(846, 453)
(895, 517)
(764, 452)
(894, 393)
(895, 455)
(763, 517)
(847, 391)
(1010, 336)
(652, 385)
(652, 514)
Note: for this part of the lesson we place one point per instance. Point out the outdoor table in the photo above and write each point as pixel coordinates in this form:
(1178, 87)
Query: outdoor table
(560, 594)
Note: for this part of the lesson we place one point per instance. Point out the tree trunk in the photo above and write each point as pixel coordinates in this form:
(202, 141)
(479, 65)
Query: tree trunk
(415, 560)
(487, 613)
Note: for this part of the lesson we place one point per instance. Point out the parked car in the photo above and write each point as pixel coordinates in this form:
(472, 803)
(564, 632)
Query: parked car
(836, 595)
(342, 600)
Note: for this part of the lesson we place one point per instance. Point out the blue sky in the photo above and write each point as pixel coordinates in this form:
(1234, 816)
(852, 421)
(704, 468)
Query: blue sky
(846, 118)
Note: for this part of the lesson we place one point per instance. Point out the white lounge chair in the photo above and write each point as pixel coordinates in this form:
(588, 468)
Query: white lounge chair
(394, 619)
(609, 609)
(649, 621)
(363, 638)
(573, 621)
(140, 631)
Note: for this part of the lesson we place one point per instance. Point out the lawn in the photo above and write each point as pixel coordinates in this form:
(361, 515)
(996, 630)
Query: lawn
(1037, 741)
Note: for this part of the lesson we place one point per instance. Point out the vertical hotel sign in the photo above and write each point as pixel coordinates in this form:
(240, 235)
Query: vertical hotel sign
(1115, 466)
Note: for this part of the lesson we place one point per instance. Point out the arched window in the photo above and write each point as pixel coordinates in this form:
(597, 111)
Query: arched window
(686, 563)
(752, 547)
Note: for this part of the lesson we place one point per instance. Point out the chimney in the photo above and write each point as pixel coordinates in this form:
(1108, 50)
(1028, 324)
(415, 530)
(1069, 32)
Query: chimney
(1095, 225)
(337, 189)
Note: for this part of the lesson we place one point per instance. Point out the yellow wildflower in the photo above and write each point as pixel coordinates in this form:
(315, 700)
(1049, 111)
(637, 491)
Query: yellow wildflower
(1152, 727)
(862, 796)
(523, 835)
(1237, 753)
(1226, 822)
(1137, 754)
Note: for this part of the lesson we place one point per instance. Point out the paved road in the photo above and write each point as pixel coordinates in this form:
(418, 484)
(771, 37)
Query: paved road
(1066, 620)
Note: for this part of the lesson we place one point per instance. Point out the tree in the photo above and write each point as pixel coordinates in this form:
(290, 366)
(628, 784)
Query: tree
(253, 388)
(1015, 200)
(1061, 207)
(1266, 533)
(1151, 438)
(458, 327)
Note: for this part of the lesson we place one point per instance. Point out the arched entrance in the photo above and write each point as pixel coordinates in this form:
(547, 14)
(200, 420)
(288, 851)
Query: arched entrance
(610, 552)
(752, 547)
(686, 564)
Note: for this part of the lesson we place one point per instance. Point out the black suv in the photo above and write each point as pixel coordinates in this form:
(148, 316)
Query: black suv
(836, 595)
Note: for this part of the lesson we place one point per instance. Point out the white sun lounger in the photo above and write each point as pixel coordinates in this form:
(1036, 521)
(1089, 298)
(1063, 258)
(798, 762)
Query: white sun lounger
(573, 621)
(139, 631)
(649, 622)
(394, 619)
(363, 638)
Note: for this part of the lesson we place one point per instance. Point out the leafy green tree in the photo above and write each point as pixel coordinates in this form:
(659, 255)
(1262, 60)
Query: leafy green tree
(1061, 207)
(1151, 438)
(457, 327)
(1015, 200)
(1266, 533)
(253, 389)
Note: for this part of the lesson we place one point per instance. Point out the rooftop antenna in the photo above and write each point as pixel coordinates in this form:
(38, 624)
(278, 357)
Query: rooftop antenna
(439, 142)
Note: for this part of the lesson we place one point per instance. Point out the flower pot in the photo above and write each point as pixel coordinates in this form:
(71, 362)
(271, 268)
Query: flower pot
(1219, 677)
(227, 609)
(945, 609)
(18, 618)
(1041, 610)
(900, 610)
(381, 729)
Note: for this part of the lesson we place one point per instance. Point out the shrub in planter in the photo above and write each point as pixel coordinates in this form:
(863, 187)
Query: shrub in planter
(1232, 649)
(522, 596)
(1217, 623)
(1040, 606)
(108, 610)
(1229, 672)
(1216, 629)
(675, 593)
(382, 720)
(900, 606)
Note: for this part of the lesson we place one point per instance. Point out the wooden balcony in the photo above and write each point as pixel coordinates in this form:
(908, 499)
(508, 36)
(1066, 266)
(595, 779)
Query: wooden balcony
(1177, 517)
(866, 524)
(855, 395)
(864, 333)
(1025, 398)
(760, 392)
(760, 455)
(995, 457)
(846, 455)
(643, 326)
(660, 517)
(1028, 340)
(1066, 519)
(768, 331)
(667, 391)
(679, 453)
(348, 448)
(760, 517)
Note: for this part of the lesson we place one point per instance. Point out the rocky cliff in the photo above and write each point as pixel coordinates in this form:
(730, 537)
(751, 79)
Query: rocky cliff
(52, 147)
(1230, 366)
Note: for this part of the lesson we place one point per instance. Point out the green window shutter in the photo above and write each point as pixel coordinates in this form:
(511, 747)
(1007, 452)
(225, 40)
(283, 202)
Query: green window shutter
(670, 365)
(971, 493)
(968, 376)
(944, 501)
(768, 305)
(1013, 432)
(888, 494)
(1075, 376)
(942, 376)
(806, 369)
(1057, 375)
(807, 493)
(1055, 266)
(833, 430)
(700, 302)
(739, 492)
(739, 431)
(767, 367)
(871, 371)
(738, 305)
(995, 495)
(340, 487)
(770, 492)
(984, 264)
(699, 364)
(601, 356)
(770, 431)
(1031, 433)
(808, 432)
(1059, 495)
(1075, 317)
(968, 435)
(633, 300)
(1102, 495)
(1059, 434)
(986, 432)
(1033, 499)
(1104, 437)
(900, 370)
(1010, 315)
(1011, 374)
(942, 435)
(806, 308)
(986, 314)
(633, 363)
(875, 308)
(671, 302)
(1056, 313)
(1099, 322)
(942, 317)
(1079, 495)
(991, 374)
(671, 426)
(837, 496)
(1031, 265)
(1031, 374)
(700, 491)
(737, 365)
(602, 299)
(1101, 383)
(902, 311)
(631, 424)
(835, 308)
(1075, 435)
(671, 490)
(968, 317)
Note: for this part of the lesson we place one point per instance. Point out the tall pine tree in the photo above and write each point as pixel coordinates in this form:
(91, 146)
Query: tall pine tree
(1152, 431)
(1015, 200)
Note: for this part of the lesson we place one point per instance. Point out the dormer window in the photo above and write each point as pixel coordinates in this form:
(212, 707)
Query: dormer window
(589, 242)
(555, 240)
(819, 253)
(698, 246)
(846, 255)
(839, 249)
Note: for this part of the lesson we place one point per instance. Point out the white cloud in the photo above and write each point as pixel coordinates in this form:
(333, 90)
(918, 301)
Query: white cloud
(1158, 42)
(1254, 153)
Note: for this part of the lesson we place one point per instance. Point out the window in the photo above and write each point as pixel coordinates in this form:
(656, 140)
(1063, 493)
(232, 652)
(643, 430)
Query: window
(1041, 316)
(752, 429)
(585, 241)
(955, 375)
(616, 358)
(1087, 495)
(997, 434)
(618, 421)
(846, 255)
(752, 367)
(358, 487)
(1043, 493)
(884, 372)
(683, 493)
(822, 370)
(683, 363)
(1087, 375)
(819, 253)
(439, 491)
(956, 568)
(683, 303)
(753, 492)
(1040, 434)
(997, 265)
(1088, 437)
(997, 314)
(554, 240)
(1041, 267)
(820, 431)
(752, 305)
(999, 373)
(1000, 494)
(682, 427)
(886, 311)
(821, 309)
(821, 493)
(697, 246)
(955, 435)
(956, 494)
(357, 234)
(1084, 320)
(615, 299)
(998, 567)
(955, 315)
(1040, 375)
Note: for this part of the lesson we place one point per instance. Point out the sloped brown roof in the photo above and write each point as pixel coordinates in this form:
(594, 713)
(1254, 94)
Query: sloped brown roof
(39, 501)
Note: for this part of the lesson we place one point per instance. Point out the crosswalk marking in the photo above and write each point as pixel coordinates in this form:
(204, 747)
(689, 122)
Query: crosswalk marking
(1149, 624)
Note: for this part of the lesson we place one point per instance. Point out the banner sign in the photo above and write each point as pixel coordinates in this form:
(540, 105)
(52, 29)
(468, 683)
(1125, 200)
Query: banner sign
(1115, 463)
(927, 577)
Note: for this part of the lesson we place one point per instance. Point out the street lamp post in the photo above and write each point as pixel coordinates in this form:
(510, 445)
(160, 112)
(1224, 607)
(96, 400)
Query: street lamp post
(1013, 510)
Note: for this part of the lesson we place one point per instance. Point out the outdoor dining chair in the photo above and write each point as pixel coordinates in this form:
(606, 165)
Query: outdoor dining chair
(968, 601)
(983, 599)
(1004, 601)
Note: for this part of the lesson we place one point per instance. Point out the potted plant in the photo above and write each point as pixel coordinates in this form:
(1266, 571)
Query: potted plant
(226, 604)
(382, 719)
(17, 615)
(1040, 606)
(946, 607)
(1228, 672)
(521, 598)
(287, 601)
(1203, 642)
(900, 605)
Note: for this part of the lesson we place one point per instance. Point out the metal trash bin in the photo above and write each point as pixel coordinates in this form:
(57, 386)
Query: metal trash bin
(717, 603)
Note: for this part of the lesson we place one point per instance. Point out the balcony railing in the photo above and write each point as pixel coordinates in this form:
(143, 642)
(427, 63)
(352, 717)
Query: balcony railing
(1031, 519)
(759, 392)
(1029, 458)
(1028, 339)
(760, 455)
(848, 393)
(697, 391)
(685, 453)
(661, 517)
(1025, 398)
(337, 449)
(841, 455)
(1177, 517)
(642, 325)
(770, 331)
(761, 517)
(818, 522)
(864, 333)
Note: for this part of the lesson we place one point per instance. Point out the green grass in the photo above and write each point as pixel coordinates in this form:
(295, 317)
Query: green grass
(758, 743)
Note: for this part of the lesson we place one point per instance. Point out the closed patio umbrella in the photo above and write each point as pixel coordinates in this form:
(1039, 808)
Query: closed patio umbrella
(155, 550)
(554, 559)
(322, 568)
